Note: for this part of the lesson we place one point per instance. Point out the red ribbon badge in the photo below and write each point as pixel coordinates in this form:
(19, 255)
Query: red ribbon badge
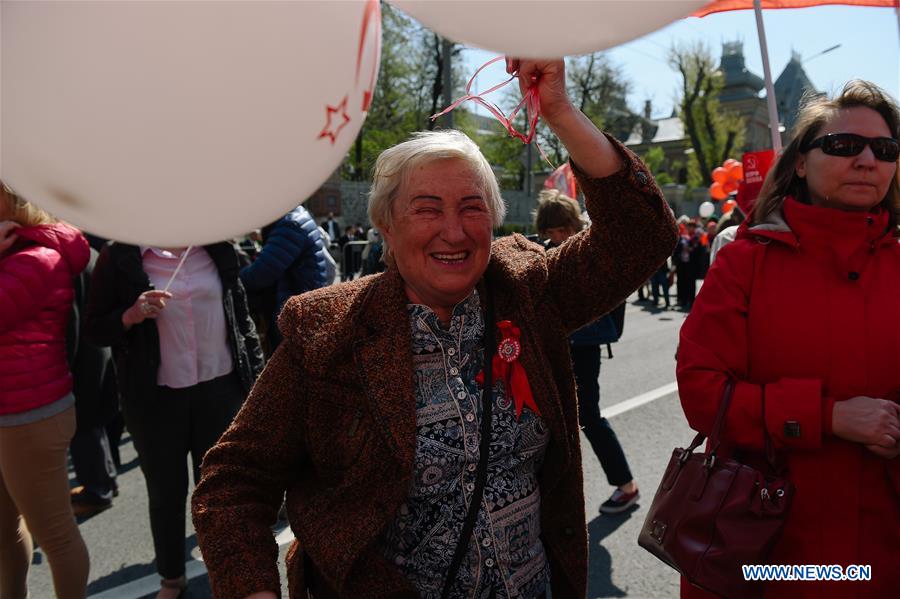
(505, 366)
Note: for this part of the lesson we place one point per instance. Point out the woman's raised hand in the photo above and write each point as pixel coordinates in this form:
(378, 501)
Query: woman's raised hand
(550, 78)
(148, 305)
(871, 421)
(586, 145)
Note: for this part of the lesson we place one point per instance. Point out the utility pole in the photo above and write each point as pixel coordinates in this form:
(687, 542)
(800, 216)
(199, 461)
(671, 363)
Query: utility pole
(446, 52)
(529, 174)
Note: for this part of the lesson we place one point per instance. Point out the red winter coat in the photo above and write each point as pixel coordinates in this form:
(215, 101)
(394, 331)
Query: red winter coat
(804, 311)
(36, 293)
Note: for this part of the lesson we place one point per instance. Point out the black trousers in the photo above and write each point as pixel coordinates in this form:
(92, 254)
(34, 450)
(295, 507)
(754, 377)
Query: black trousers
(603, 440)
(660, 283)
(94, 450)
(686, 284)
(92, 460)
(178, 422)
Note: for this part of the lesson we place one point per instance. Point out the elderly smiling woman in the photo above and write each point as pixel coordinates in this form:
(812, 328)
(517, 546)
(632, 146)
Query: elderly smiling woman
(372, 414)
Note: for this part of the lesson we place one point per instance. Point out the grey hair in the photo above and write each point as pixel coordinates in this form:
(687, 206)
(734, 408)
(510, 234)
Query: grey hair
(394, 165)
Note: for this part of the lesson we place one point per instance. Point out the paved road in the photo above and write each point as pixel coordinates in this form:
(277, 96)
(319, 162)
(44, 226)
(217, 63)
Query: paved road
(643, 367)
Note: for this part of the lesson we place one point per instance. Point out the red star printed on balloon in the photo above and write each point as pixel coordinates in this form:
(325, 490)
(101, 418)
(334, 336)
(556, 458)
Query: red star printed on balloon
(339, 113)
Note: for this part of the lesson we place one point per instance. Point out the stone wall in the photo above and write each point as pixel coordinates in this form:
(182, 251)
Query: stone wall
(519, 204)
(355, 194)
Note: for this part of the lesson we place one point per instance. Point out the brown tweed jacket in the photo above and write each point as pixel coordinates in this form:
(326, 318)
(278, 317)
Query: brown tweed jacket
(332, 418)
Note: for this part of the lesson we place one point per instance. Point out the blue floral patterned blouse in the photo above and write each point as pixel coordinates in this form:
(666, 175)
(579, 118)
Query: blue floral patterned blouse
(506, 557)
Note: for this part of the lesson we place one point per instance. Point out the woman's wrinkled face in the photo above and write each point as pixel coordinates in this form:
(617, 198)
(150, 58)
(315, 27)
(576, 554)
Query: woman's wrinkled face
(440, 234)
(848, 182)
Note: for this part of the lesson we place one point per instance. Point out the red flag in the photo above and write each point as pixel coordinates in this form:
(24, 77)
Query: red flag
(756, 167)
(562, 179)
(725, 5)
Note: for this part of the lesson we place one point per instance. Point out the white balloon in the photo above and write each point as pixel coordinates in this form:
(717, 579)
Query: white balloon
(706, 209)
(546, 28)
(175, 123)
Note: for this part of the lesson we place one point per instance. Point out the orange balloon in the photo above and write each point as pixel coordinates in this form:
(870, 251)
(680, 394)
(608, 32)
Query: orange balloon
(728, 206)
(719, 175)
(736, 172)
(730, 163)
(729, 186)
(717, 191)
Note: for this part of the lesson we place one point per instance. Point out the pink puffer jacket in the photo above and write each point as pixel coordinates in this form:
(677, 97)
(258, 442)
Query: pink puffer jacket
(36, 295)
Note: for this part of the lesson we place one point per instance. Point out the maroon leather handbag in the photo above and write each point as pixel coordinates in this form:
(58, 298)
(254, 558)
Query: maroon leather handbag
(711, 515)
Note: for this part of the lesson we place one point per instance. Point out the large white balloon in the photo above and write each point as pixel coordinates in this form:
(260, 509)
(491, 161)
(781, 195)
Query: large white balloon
(706, 209)
(546, 28)
(175, 123)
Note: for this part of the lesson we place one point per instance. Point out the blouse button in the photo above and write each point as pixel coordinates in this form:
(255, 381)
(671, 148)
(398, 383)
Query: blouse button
(471, 467)
(451, 352)
(470, 417)
(486, 542)
(489, 562)
(470, 487)
(461, 395)
(454, 371)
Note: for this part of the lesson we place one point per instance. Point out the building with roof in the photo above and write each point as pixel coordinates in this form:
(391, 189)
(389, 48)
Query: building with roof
(741, 94)
(791, 87)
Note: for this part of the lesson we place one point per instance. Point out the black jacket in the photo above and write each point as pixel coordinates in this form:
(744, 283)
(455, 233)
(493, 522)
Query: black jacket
(119, 279)
(93, 375)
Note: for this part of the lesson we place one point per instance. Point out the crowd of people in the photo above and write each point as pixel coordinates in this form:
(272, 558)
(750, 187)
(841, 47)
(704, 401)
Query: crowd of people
(420, 427)
(689, 262)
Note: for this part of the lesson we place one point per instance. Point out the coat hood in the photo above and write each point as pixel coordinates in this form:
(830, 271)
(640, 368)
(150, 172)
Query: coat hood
(64, 239)
(827, 221)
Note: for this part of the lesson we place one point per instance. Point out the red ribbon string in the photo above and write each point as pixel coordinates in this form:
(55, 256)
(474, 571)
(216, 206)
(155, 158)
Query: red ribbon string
(505, 366)
(531, 102)
(372, 14)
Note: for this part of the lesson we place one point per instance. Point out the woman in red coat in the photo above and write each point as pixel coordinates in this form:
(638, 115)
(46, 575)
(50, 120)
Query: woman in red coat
(39, 258)
(801, 311)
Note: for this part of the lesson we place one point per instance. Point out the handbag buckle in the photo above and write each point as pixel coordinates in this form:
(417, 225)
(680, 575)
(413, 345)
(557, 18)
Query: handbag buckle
(658, 531)
(709, 461)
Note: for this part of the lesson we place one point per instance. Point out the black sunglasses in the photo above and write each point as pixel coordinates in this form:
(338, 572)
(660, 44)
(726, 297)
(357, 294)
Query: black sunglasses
(850, 144)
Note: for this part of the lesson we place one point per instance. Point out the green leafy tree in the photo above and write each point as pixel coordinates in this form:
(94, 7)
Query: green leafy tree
(599, 88)
(408, 91)
(714, 133)
(505, 153)
(655, 159)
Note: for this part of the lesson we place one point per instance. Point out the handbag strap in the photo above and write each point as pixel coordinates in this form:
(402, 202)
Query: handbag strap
(483, 451)
(715, 437)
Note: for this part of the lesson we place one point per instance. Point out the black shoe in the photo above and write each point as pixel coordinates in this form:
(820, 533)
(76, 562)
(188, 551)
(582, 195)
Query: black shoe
(86, 504)
(619, 501)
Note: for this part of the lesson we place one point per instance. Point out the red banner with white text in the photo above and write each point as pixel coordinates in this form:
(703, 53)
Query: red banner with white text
(756, 167)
